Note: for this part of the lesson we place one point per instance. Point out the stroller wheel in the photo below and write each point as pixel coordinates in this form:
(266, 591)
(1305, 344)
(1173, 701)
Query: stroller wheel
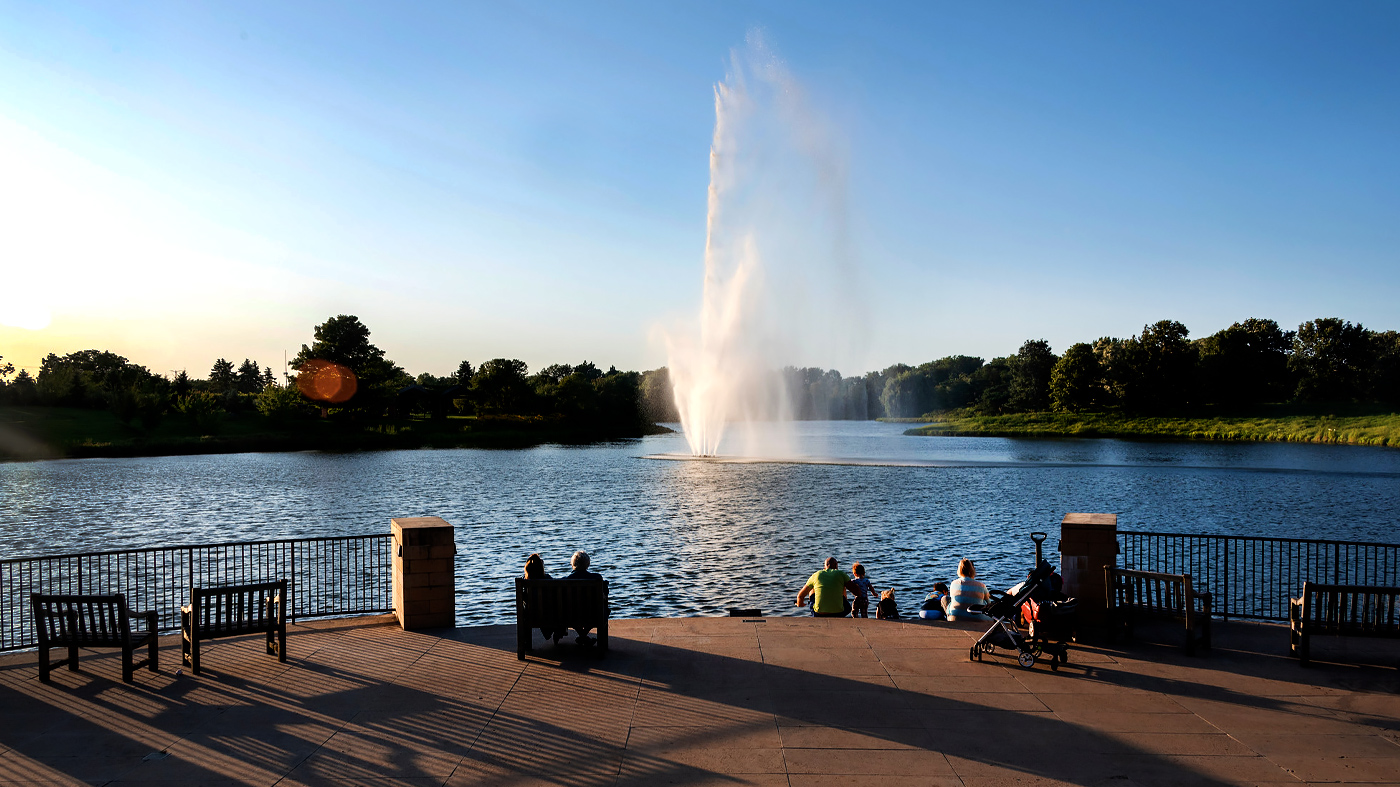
(972, 653)
(1054, 663)
(1026, 659)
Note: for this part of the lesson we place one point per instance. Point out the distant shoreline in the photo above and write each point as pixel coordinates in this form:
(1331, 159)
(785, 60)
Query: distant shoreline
(36, 434)
(1382, 429)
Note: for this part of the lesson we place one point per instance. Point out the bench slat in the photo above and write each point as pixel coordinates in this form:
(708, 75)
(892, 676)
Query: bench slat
(1342, 610)
(233, 610)
(1133, 593)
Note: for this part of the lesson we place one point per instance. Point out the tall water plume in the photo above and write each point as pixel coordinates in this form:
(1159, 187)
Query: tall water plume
(780, 285)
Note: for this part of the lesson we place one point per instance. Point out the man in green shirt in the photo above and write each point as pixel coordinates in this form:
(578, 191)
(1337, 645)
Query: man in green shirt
(830, 585)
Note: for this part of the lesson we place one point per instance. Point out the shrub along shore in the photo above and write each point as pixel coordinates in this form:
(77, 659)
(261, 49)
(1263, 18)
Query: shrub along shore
(70, 432)
(1381, 429)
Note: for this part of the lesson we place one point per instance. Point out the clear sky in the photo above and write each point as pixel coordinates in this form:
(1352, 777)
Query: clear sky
(185, 181)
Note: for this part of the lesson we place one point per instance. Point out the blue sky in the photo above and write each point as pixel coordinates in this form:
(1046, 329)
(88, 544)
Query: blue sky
(180, 182)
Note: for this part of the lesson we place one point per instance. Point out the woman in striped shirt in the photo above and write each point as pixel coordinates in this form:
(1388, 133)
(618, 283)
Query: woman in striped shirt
(966, 596)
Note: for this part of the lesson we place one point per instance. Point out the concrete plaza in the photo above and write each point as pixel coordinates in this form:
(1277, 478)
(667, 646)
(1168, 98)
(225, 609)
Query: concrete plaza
(784, 701)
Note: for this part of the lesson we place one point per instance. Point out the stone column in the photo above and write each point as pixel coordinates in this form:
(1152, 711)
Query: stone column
(424, 581)
(1088, 542)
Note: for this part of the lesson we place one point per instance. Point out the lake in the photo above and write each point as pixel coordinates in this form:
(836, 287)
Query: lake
(695, 537)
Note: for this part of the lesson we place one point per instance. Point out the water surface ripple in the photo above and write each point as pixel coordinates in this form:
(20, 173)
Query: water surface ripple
(695, 537)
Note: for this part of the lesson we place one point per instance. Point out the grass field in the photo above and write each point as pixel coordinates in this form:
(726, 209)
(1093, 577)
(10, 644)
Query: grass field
(64, 432)
(1354, 429)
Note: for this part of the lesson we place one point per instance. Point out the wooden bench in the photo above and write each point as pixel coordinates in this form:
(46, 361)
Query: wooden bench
(1133, 595)
(233, 610)
(92, 622)
(559, 604)
(1341, 610)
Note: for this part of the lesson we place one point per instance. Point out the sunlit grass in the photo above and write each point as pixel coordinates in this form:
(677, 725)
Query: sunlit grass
(1368, 429)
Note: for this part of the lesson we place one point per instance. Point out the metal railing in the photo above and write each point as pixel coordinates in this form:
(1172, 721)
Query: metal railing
(336, 575)
(1255, 576)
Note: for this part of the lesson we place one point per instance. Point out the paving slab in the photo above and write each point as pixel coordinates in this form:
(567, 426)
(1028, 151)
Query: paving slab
(693, 701)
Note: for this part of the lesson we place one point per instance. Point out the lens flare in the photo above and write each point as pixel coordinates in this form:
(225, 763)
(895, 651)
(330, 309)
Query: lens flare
(323, 381)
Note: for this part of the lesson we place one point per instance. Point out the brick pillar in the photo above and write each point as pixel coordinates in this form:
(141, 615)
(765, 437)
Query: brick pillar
(424, 581)
(1088, 542)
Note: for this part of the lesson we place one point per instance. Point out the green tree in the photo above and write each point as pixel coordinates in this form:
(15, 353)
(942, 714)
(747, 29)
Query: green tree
(1246, 364)
(465, 373)
(91, 378)
(1153, 372)
(1333, 360)
(1030, 376)
(202, 409)
(1385, 383)
(658, 398)
(500, 386)
(993, 385)
(1077, 380)
(618, 400)
(22, 390)
(222, 377)
(906, 395)
(283, 403)
(344, 340)
(249, 379)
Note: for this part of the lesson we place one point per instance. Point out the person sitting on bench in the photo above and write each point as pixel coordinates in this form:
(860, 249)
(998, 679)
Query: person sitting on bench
(580, 562)
(534, 569)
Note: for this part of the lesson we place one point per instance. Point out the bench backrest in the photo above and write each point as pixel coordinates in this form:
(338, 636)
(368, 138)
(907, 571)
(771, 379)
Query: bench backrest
(239, 609)
(561, 601)
(85, 621)
(1149, 590)
(1351, 609)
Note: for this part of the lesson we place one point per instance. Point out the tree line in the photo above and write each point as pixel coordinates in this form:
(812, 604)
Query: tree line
(607, 401)
(1158, 372)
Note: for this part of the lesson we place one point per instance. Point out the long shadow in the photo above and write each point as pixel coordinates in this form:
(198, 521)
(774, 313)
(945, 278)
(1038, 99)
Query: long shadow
(366, 702)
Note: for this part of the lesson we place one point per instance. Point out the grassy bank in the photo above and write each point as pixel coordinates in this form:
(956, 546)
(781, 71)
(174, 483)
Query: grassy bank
(1355, 429)
(62, 432)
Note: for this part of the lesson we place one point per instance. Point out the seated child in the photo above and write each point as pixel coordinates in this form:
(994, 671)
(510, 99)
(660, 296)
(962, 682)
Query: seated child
(861, 607)
(887, 609)
(935, 602)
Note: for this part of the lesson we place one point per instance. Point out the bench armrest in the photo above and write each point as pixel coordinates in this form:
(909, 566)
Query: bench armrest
(1206, 601)
(1295, 610)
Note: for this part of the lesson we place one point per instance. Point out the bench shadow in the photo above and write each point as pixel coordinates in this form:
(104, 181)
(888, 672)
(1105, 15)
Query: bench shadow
(362, 700)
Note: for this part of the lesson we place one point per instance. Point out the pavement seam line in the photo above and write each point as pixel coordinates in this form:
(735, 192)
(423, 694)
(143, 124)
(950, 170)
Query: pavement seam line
(319, 746)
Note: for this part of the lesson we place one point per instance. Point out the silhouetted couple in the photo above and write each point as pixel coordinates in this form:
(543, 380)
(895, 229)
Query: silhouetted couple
(534, 569)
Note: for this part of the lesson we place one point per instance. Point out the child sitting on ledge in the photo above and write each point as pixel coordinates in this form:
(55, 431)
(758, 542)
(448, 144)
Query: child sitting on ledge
(887, 609)
(935, 602)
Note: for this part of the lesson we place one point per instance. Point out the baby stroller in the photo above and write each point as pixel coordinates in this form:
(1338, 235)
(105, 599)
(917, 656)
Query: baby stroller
(1050, 619)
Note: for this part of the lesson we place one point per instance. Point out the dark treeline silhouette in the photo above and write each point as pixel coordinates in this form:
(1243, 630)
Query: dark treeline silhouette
(607, 402)
(1161, 371)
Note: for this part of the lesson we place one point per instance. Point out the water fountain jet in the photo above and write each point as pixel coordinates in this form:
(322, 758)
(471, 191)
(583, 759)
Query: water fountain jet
(778, 281)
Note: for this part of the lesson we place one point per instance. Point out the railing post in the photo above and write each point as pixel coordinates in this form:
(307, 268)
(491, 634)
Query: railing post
(1225, 607)
(189, 575)
(292, 586)
(1336, 564)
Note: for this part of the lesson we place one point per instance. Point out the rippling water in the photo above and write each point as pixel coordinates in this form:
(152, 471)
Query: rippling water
(695, 537)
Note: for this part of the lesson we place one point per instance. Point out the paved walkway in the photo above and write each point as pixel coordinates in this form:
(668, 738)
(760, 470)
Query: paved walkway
(785, 701)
